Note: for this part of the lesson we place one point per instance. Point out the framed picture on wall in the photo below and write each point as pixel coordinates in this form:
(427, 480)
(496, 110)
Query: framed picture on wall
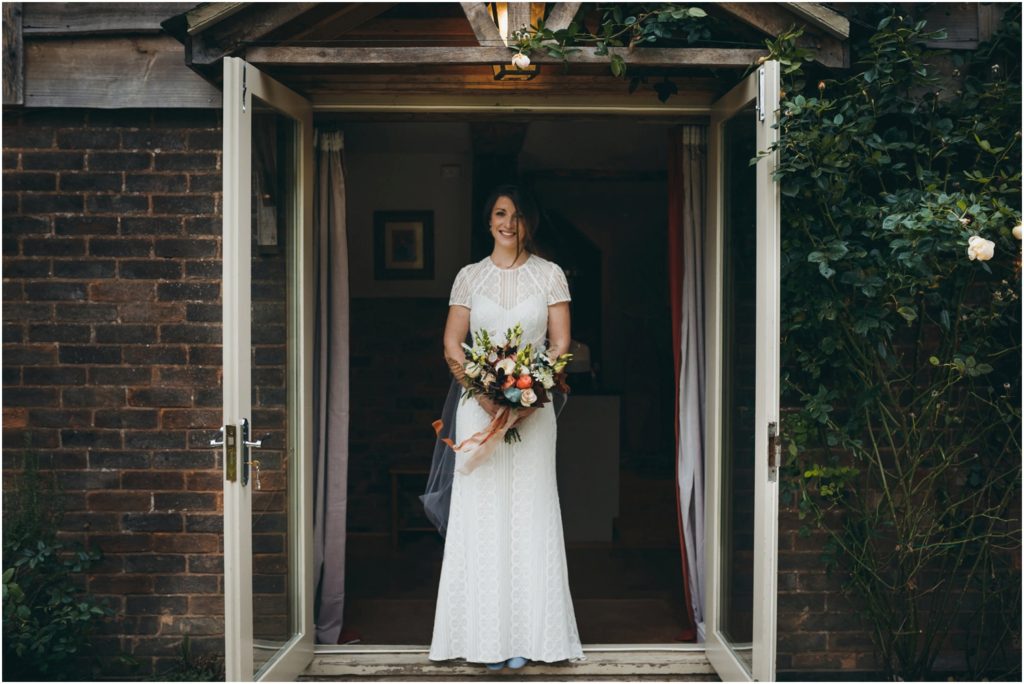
(403, 245)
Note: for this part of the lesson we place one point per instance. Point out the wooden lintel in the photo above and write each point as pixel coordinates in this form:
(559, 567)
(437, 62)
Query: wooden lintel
(440, 56)
(14, 55)
(561, 15)
(484, 28)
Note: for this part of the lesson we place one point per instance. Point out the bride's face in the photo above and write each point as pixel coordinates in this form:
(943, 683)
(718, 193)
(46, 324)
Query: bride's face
(506, 224)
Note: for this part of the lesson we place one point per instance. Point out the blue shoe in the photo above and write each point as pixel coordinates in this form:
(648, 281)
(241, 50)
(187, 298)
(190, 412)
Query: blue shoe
(516, 663)
(497, 666)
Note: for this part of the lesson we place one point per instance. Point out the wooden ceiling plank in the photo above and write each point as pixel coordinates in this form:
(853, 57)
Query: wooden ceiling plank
(440, 56)
(561, 15)
(349, 17)
(483, 26)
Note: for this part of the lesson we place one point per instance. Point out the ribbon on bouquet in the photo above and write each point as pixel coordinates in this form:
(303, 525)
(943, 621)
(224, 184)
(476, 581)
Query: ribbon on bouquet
(479, 446)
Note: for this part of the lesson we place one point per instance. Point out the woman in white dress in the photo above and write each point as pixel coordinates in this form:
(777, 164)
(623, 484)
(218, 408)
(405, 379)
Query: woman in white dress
(503, 597)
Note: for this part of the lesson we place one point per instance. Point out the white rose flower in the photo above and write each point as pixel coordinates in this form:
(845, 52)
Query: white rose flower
(520, 61)
(527, 397)
(473, 370)
(1017, 231)
(979, 248)
(507, 365)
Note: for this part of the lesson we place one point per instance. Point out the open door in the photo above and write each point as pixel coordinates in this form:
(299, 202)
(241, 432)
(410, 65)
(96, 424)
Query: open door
(267, 432)
(742, 381)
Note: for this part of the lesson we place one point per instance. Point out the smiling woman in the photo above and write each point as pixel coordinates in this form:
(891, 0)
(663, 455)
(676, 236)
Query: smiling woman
(504, 591)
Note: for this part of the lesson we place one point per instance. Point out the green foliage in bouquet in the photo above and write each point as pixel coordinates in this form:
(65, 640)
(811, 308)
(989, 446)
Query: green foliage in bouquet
(47, 621)
(901, 333)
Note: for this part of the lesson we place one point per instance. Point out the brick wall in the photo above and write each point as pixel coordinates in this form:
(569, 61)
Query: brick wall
(112, 358)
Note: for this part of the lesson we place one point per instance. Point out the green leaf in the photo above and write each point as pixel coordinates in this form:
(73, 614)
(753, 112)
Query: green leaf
(908, 313)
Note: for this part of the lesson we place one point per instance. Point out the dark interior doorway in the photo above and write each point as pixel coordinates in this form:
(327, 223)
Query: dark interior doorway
(602, 185)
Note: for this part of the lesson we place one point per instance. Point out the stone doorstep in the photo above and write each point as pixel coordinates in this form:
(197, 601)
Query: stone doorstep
(640, 665)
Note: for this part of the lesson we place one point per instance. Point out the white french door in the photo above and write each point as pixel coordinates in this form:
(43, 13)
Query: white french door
(742, 451)
(267, 281)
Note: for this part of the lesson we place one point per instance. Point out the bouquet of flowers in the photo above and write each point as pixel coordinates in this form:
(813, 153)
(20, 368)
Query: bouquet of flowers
(514, 377)
(510, 375)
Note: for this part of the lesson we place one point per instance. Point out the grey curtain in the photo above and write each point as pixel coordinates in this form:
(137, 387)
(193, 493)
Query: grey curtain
(691, 372)
(330, 386)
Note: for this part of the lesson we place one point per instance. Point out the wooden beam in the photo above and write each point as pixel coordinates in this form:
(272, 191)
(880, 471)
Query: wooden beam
(113, 73)
(91, 18)
(14, 60)
(483, 26)
(440, 56)
(211, 13)
(561, 15)
(815, 14)
(258, 21)
(518, 17)
(349, 17)
(772, 20)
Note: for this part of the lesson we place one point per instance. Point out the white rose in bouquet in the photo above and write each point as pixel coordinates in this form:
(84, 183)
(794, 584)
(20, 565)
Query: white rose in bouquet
(507, 365)
(473, 370)
(527, 397)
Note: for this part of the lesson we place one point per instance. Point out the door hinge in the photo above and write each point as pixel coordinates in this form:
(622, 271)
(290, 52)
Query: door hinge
(774, 451)
(760, 94)
(244, 87)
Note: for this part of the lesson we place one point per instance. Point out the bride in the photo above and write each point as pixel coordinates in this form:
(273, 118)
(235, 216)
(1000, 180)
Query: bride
(503, 597)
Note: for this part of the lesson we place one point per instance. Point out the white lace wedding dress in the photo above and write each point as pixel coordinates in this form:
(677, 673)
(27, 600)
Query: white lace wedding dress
(504, 587)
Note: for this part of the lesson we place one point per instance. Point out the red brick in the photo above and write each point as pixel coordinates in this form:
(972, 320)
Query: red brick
(122, 543)
(206, 605)
(205, 482)
(153, 480)
(122, 291)
(187, 543)
(119, 501)
(193, 419)
(121, 584)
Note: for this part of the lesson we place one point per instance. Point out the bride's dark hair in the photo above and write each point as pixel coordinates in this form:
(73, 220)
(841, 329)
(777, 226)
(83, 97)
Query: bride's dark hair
(526, 208)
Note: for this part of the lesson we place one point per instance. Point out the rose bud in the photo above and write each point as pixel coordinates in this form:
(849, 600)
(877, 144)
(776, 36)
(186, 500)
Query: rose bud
(528, 397)
(524, 381)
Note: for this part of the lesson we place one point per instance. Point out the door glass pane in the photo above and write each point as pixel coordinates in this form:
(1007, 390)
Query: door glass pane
(739, 316)
(273, 216)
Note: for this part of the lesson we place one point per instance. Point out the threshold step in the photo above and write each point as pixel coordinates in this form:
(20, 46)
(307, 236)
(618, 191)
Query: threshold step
(376, 664)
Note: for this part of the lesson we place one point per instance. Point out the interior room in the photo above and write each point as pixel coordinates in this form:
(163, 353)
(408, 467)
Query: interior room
(603, 192)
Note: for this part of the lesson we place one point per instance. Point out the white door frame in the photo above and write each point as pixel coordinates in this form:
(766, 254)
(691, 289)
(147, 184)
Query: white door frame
(241, 82)
(609, 106)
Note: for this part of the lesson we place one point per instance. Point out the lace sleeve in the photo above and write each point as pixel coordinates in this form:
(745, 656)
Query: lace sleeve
(461, 291)
(558, 287)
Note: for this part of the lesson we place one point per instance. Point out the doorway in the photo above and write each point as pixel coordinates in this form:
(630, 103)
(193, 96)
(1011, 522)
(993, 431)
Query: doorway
(602, 185)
